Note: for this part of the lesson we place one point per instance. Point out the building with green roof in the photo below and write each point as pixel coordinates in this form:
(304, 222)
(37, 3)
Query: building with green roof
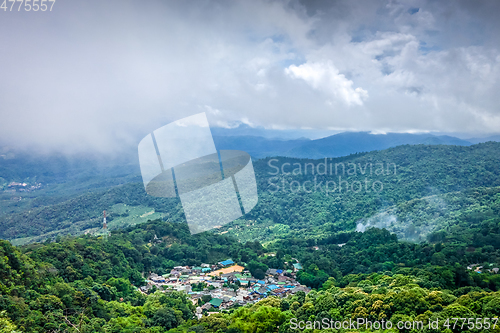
(216, 302)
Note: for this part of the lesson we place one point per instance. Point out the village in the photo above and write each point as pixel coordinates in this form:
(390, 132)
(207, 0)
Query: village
(479, 269)
(20, 187)
(224, 285)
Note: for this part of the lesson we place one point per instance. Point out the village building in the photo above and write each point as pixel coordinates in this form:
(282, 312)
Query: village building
(216, 281)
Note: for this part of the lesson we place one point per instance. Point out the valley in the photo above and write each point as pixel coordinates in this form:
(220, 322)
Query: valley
(428, 235)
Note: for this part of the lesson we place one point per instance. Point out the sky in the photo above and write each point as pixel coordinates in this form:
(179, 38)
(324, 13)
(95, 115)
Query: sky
(100, 75)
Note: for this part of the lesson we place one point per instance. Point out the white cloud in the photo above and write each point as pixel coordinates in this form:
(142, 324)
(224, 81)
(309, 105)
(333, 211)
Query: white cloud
(326, 78)
(101, 75)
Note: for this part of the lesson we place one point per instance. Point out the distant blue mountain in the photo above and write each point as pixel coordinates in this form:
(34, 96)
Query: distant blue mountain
(347, 143)
(342, 144)
(257, 146)
(286, 134)
(486, 139)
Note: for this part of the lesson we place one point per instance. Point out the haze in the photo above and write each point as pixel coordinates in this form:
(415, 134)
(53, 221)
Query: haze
(99, 75)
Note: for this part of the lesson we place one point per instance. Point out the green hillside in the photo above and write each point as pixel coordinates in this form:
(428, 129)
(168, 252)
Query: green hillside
(400, 251)
(408, 173)
(421, 172)
(87, 284)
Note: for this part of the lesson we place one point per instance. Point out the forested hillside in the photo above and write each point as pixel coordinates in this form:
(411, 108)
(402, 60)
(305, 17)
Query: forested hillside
(86, 284)
(420, 172)
(407, 249)
(409, 173)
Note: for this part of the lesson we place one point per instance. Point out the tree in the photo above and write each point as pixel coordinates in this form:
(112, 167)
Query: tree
(165, 317)
(257, 269)
(6, 325)
(329, 283)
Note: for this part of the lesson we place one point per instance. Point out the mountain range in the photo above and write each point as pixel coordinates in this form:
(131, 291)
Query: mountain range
(341, 144)
(424, 174)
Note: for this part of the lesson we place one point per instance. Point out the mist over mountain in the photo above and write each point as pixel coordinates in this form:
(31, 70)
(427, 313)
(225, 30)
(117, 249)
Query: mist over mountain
(257, 146)
(257, 141)
(277, 134)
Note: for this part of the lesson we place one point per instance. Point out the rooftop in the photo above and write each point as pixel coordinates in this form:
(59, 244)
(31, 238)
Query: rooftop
(226, 262)
(235, 268)
(216, 302)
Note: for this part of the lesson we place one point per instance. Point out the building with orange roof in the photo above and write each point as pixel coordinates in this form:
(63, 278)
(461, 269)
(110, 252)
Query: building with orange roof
(235, 268)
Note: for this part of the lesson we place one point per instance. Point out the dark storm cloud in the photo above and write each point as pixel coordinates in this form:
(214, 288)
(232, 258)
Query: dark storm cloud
(101, 74)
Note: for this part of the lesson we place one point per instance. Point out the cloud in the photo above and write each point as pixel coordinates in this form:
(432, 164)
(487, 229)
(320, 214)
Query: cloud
(326, 78)
(379, 221)
(94, 75)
